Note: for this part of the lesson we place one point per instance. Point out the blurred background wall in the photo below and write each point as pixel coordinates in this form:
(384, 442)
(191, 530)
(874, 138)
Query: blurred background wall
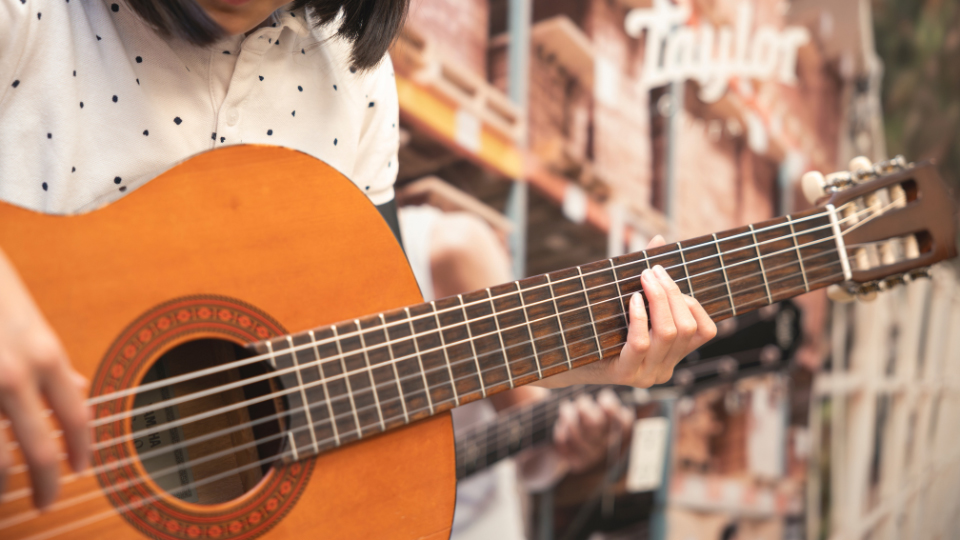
(547, 126)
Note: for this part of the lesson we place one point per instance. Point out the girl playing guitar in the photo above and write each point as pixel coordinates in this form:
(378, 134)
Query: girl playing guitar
(99, 96)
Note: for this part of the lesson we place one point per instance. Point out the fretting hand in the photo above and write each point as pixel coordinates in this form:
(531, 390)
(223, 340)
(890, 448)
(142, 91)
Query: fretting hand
(678, 324)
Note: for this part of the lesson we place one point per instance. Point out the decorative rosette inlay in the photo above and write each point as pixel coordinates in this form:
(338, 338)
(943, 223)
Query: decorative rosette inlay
(149, 509)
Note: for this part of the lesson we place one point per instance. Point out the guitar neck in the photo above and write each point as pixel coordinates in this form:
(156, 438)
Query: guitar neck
(362, 377)
(512, 432)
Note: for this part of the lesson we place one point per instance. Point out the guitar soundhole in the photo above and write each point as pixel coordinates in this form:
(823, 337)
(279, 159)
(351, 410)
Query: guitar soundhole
(211, 460)
(214, 450)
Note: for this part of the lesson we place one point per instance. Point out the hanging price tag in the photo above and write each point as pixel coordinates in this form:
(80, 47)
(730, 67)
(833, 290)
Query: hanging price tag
(468, 130)
(648, 449)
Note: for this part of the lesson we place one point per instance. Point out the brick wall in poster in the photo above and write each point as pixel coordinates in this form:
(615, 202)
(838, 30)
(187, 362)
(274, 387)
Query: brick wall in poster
(458, 29)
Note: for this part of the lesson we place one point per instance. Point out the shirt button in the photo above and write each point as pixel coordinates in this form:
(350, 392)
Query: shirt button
(232, 117)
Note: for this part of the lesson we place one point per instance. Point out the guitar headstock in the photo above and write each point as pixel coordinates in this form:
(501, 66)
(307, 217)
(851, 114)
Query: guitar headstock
(896, 219)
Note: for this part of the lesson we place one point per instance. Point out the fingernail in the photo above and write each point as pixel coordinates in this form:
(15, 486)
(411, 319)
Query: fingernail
(661, 273)
(636, 301)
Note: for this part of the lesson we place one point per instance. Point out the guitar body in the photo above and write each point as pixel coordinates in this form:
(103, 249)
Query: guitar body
(238, 244)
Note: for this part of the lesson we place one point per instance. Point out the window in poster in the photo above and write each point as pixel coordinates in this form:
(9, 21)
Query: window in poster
(648, 448)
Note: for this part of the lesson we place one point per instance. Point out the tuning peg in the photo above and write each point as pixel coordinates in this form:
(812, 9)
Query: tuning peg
(840, 294)
(814, 186)
(867, 292)
(891, 165)
(894, 281)
(860, 163)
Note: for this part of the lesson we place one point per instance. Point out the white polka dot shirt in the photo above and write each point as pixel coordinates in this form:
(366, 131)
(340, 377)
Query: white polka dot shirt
(94, 103)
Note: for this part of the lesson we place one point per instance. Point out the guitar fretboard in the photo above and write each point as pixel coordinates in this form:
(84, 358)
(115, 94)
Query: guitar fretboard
(362, 377)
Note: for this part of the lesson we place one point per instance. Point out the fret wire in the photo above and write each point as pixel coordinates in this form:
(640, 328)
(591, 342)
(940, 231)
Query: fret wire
(416, 348)
(443, 346)
(556, 309)
(646, 258)
(593, 323)
(803, 272)
(484, 454)
(326, 388)
(683, 262)
(303, 395)
(503, 346)
(396, 373)
(762, 271)
(533, 343)
(616, 280)
(373, 384)
(346, 377)
(497, 429)
(473, 346)
(727, 281)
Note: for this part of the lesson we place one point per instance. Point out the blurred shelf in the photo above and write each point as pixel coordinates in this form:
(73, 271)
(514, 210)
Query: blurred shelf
(560, 37)
(456, 106)
(732, 495)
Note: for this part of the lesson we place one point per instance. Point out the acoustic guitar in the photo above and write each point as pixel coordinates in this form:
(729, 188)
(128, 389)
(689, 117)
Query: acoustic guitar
(241, 389)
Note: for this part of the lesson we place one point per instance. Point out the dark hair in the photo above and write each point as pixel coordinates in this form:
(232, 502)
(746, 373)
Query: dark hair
(370, 25)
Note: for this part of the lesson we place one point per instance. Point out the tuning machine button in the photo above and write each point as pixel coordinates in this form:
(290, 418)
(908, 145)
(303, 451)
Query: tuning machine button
(814, 186)
(860, 164)
(866, 292)
(840, 294)
(895, 281)
(898, 163)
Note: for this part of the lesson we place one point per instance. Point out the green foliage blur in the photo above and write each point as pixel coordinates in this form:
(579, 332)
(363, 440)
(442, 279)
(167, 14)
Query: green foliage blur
(919, 42)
